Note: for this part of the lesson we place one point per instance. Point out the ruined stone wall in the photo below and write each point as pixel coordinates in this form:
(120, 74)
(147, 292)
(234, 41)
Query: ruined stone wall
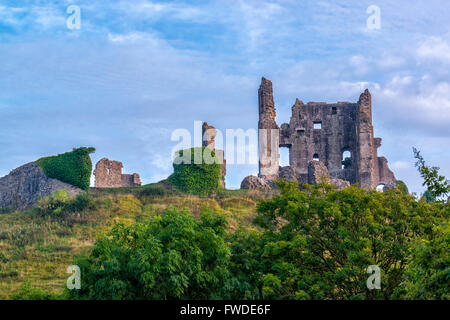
(318, 131)
(321, 132)
(131, 180)
(108, 174)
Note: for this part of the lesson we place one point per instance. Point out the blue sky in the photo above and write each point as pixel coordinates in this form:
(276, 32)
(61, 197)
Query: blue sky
(137, 70)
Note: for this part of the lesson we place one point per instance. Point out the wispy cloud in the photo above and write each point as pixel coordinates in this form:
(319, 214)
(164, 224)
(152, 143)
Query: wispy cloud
(435, 48)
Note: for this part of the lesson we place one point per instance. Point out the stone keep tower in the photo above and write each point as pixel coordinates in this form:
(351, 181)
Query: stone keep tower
(339, 135)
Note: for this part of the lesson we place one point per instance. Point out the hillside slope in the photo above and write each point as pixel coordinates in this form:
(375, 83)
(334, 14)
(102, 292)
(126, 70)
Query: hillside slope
(37, 248)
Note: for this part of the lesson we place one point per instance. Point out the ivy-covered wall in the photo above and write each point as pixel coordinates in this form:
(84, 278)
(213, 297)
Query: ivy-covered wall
(202, 178)
(73, 167)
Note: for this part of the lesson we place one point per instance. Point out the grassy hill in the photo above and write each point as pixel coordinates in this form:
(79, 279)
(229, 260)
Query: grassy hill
(37, 248)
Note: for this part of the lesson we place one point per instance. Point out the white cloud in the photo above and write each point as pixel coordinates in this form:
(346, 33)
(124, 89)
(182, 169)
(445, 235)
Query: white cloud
(435, 48)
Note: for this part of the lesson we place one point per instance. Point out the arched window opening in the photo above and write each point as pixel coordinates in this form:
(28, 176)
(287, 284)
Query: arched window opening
(380, 187)
(346, 159)
(316, 157)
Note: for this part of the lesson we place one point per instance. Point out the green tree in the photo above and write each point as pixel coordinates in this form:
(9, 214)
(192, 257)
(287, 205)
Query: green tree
(402, 187)
(436, 184)
(428, 196)
(175, 256)
(319, 242)
(427, 275)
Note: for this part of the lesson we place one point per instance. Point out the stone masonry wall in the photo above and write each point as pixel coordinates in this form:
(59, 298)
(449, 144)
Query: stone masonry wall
(108, 174)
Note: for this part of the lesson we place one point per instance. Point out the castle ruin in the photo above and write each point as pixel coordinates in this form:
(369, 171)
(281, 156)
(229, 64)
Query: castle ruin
(108, 174)
(338, 135)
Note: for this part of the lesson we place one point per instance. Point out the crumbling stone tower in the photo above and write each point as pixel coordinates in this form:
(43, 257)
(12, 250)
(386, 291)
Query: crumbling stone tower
(268, 132)
(340, 135)
(208, 140)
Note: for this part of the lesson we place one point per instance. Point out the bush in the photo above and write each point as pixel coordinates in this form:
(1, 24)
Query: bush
(203, 178)
(61, 202)
(54, 204)
(83, 201)
(73, 167)
(174, 256)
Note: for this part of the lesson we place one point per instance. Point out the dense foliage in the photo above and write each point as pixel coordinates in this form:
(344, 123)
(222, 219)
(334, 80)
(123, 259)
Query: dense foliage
(320, 242)
(428, 273)
(196, 178)
(311, 244)
(73, 167)
(173, 256)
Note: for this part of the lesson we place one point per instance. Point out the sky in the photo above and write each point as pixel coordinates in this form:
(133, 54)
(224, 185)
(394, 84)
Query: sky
(137, 70)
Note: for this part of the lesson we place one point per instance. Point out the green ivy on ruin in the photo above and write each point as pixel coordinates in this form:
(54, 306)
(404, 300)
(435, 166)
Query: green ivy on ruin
(73, 167)
(196, 178)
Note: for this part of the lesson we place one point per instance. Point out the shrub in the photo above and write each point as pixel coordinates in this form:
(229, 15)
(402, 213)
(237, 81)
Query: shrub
(61, 202)
(73, 167)
(174, 256)
(189, 177)
(54, 204)
(83, 201)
